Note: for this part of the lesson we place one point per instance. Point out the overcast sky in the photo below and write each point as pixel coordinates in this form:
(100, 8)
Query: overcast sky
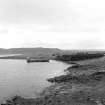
(52, 23)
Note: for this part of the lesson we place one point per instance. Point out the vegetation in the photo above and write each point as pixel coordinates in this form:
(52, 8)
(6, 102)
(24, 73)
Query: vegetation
(50, 53)
(84, 78)
(79, 56)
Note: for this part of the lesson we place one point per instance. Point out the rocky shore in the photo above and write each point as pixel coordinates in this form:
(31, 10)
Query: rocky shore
(83, 84)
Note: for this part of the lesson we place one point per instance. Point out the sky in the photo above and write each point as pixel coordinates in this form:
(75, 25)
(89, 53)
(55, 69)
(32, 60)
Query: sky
(65, 24)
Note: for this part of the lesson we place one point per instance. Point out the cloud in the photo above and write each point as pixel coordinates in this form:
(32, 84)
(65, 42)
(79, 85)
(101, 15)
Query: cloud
(57, 15)
(37, 11)
(3, 31)
(92, 43)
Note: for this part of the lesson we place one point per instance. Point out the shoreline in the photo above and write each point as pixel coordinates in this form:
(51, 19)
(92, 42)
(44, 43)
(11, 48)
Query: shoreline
(84, 84)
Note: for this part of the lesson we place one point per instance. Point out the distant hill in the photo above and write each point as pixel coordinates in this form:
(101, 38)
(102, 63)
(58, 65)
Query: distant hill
(32, 52)
(42, 52)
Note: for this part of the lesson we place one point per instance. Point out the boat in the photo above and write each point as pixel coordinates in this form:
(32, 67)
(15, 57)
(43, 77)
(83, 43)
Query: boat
(29, 60)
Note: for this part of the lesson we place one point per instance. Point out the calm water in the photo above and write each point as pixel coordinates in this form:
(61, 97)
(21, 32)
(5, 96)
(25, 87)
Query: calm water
(26, 79)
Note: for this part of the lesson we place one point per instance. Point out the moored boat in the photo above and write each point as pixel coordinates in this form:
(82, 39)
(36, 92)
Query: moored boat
(29, 60)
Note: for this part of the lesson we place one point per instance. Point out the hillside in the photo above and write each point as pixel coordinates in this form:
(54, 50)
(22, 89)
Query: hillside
(29, 52)
(41, 52)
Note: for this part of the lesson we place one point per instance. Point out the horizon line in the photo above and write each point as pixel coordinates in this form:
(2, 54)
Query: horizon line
(89, 49)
